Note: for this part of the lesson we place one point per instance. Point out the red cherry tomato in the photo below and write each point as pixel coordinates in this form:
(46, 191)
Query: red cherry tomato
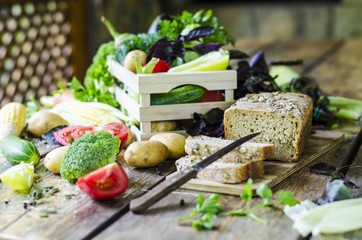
(62, 136)
(119, 130)
(105, 182)
(161, 66)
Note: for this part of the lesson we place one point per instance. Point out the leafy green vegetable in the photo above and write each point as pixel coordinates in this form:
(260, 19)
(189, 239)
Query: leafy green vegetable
(172, 29)
(210, 209)
(88, 153)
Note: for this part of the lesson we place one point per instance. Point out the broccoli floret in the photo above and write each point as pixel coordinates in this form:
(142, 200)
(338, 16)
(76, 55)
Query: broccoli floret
(88, 153)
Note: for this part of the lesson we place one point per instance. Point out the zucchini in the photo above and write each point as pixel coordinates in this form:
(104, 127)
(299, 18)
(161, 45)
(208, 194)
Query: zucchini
(184, 94)
(17, 150)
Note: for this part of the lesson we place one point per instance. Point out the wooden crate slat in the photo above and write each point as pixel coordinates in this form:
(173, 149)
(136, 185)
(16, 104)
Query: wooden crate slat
(131, 105)
(179, 111)
(123, 74)
(147, 84)
(211, 80)
(164, 82)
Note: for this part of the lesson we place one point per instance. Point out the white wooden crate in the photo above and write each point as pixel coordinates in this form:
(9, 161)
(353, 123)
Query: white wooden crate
(147, 84)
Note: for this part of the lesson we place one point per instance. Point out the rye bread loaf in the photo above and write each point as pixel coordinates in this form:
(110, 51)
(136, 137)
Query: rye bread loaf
(205, 146)
(284, 119)
(224, 172)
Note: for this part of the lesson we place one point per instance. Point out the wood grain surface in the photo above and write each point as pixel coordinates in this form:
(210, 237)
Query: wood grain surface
(318, 144)
(76, 215)
(336, 66)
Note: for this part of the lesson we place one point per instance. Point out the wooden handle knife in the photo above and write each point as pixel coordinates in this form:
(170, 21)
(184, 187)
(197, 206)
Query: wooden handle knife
(142, 203)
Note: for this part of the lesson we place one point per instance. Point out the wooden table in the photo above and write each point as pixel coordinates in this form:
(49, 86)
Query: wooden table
(338, 67)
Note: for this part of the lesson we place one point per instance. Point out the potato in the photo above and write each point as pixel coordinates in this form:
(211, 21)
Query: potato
(130, 138)
(130, 59)
(174, 142)
(163, 126)
(43, 120)
(146, 154)
(53, 159)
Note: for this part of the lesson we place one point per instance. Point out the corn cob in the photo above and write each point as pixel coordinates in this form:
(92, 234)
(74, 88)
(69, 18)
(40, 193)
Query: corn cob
(12, 119)
(90, 113)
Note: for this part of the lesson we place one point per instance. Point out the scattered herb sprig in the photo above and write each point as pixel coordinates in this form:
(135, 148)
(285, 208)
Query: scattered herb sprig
(210, 209)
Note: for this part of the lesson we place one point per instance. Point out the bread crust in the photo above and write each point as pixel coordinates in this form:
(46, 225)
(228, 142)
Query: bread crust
(224, 172)
(265, 112)
(205, 146)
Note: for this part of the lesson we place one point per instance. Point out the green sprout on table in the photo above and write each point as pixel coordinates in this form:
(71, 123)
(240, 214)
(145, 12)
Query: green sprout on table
(210, 209)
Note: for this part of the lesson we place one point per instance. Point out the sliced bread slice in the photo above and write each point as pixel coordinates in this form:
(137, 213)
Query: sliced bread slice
(205, 146)
(224, 172)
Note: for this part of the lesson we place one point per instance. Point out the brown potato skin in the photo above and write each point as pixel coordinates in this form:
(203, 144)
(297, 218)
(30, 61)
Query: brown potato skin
(43, 120)
(145, 154)
(53, 159)
(130, 59)
(175, 143)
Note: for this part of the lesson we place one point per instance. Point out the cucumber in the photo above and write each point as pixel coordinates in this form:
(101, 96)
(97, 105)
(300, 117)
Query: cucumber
(17, 150)
(184, 94)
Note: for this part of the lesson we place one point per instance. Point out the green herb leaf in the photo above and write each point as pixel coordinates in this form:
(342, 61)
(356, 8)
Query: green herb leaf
(199, 202)
(211, 205)
(204, 222)
(286, 198)
(75, 84)
(239, 212)
(264, 192)
(248, 192)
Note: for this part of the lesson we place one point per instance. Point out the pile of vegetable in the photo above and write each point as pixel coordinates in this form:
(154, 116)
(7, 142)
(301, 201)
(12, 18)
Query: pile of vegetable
(173, 43)
(182, 43)
(88, 149)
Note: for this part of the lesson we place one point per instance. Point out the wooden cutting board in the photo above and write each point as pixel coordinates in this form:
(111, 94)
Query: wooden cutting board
(319, 143)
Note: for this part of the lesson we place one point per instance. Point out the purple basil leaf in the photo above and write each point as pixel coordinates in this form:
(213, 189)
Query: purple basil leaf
(215, 116)
(210, 124)
(237, 54)
(258, 60)
(166, 50)
(335, 191)
(197, 33)
(203, 49)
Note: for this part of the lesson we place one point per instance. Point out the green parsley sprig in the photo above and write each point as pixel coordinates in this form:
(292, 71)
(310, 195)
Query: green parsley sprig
(209, 209)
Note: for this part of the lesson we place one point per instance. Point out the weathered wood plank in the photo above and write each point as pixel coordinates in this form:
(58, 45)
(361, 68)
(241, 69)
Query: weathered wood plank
(161, 219)
(341, 73)
(77, 216)
(319, 143)
(311, 51)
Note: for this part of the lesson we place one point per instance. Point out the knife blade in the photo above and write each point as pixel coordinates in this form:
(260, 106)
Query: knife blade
(142, 203)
